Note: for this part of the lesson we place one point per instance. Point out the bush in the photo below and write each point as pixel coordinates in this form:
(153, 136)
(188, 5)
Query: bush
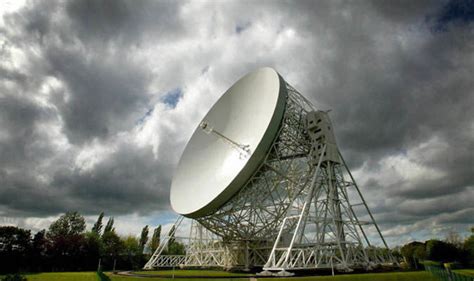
(452, 265)
(431, 263)
(437, 250)
(469, 248)
(14, 277)
(413, 253)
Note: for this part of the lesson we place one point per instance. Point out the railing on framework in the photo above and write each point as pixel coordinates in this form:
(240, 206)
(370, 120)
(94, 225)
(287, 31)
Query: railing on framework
(447, 275)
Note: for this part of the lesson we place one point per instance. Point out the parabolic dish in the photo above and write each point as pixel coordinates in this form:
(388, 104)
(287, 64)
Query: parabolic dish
(229, 144)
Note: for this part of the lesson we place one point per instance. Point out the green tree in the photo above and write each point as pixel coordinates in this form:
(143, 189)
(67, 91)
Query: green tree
(113, 245)
(155, 239)
(14, 248)
(109, 227)
(93, 249)
(39, 242)
(420, 253)
(171, 235)
(143, 239)
(133, 256)
(97, 228)
(14, 277)
(66, 242)
(396, 253)
(413, 253)
(38, 251)
(454, 239)
(441, 251)
(469, 247)
(131, 246)
(71, 223)
(14, 239)
(174, 247)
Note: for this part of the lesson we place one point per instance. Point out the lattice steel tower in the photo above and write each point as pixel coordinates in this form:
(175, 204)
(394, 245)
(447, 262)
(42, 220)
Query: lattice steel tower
(299, 208)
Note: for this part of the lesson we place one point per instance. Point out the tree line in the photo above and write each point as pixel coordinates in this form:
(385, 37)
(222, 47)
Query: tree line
(454, 249)
(67, 246)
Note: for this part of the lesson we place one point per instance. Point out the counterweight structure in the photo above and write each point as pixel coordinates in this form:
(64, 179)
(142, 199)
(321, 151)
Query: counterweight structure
(301, 209)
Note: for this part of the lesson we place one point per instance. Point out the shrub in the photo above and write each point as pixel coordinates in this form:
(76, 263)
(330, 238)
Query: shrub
(14, 277)
(437, 250)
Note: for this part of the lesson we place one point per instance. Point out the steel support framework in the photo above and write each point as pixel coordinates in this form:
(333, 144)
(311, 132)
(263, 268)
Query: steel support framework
(257, 210)
(295, 212)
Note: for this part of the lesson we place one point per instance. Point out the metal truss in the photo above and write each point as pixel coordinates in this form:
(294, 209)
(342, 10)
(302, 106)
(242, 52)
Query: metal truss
(206, 249)
(256, 211)
(295, 212)
(158, 259)
(322, 228)
(168, 261)
(327, 232)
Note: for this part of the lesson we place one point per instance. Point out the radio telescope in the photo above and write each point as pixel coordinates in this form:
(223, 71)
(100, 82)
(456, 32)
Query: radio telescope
(265, 185)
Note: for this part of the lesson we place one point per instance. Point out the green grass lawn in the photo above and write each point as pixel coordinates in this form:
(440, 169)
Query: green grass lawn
(114, 277)
(192, 272)
(469, 272)
(392, 276)
(92, 276)
(63, 276)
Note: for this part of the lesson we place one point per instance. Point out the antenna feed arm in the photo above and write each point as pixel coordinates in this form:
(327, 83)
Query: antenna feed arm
(243, 149)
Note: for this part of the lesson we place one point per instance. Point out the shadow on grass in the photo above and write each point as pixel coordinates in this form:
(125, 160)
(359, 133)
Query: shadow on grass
(102, 276)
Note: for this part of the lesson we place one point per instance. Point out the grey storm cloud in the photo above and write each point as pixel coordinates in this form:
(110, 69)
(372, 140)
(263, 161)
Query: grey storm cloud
(104, 96)
(125, 21)
(126, 180)
(87, 121)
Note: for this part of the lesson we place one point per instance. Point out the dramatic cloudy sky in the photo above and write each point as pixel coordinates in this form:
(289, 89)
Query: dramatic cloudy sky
(98, 98)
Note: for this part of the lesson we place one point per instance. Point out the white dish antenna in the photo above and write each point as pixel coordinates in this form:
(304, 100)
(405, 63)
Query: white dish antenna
(263, 173)
(229, 144)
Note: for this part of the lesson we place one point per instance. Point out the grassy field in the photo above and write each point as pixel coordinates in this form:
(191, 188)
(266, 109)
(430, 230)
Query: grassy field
(392, 276)
(469, 272)
(191, 272)
(92, 276)
(114, 277)
(63, 276)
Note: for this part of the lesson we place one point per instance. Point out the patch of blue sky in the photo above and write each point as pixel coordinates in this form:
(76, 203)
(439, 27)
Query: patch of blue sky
(240, 27)
(172, 97)
(164, 217)
(454, 12)
(142, 119)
